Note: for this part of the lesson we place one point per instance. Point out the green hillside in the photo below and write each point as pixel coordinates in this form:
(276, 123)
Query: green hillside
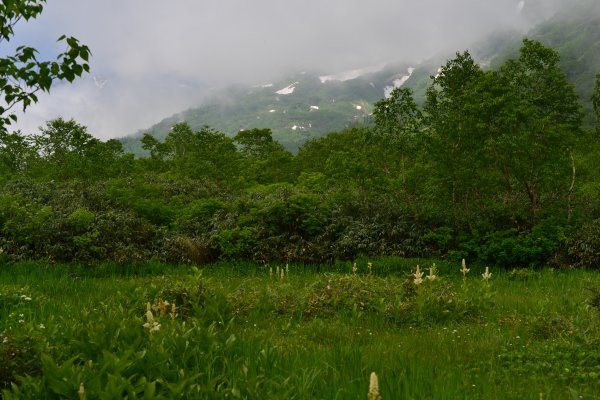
(316, 108)
(313, 109)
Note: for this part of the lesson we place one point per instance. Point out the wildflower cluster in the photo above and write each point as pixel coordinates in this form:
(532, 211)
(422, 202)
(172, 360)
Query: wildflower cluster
(280, 273)
(433, 271)
(151, 324)
(355, 268)
(419, 275)
(163, 308)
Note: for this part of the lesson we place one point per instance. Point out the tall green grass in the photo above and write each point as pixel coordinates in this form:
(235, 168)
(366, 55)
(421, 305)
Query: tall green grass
(73, 331)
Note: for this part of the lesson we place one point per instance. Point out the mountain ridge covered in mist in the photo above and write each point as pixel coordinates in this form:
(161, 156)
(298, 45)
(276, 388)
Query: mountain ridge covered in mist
(309, 104)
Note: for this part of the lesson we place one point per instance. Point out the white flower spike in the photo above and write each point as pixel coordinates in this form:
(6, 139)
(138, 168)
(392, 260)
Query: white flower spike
(418, 276)
(487, 274)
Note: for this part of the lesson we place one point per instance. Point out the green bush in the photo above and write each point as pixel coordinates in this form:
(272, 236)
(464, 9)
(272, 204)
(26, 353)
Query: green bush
(24, 225)
(237, 242)
(439, 240)
(81, 219)
(18, 357)
(584, 244)
(511, 248)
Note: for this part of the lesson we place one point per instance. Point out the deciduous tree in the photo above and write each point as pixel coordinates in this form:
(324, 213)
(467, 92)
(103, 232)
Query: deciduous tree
(22, 75)
(541, 125)
(455, 145)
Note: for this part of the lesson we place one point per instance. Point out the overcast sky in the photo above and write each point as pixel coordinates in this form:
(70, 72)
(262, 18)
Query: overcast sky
(153, 58)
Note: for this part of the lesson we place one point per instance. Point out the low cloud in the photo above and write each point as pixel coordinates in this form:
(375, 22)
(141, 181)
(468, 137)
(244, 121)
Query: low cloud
(153, 58)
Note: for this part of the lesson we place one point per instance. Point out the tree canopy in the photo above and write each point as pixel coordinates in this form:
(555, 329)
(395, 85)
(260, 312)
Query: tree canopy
(496, 166)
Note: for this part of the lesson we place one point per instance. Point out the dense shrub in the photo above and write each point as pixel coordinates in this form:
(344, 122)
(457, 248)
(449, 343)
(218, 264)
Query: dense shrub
(584, 244)
(509, 248)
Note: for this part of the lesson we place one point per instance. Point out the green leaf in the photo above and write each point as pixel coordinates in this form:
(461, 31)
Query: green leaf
(84, 53)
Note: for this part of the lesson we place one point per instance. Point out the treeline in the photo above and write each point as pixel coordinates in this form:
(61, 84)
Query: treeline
(496, 166)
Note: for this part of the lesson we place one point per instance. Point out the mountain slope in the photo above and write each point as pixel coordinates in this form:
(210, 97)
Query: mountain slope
(309, 105)
(303, 106)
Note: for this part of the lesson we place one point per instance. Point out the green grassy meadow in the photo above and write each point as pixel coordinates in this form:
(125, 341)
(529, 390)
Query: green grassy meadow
(241, 331)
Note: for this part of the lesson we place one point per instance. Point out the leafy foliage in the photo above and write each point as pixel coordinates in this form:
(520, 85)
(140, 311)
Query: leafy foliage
(496, 167)
(22, 75)
(584, 244)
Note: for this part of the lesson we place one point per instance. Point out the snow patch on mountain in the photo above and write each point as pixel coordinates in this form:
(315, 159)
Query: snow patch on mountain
(398, 82)
(349, 75)
(288, 89)
(520, 6)
(314, 107)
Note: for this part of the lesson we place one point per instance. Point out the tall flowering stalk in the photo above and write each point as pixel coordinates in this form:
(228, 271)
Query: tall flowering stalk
(81, 392)
(418, 276)
(432, 276)
(151, 324)
(173, 310)
(487, 275)
(464, 268)
(373, 388)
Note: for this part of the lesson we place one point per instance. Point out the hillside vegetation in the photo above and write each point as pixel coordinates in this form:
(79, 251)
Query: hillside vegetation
(322, 104)
(315, 107)
(495, 167)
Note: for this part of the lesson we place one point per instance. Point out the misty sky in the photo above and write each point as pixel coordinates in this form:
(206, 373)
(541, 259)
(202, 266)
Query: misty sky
(153, 58)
